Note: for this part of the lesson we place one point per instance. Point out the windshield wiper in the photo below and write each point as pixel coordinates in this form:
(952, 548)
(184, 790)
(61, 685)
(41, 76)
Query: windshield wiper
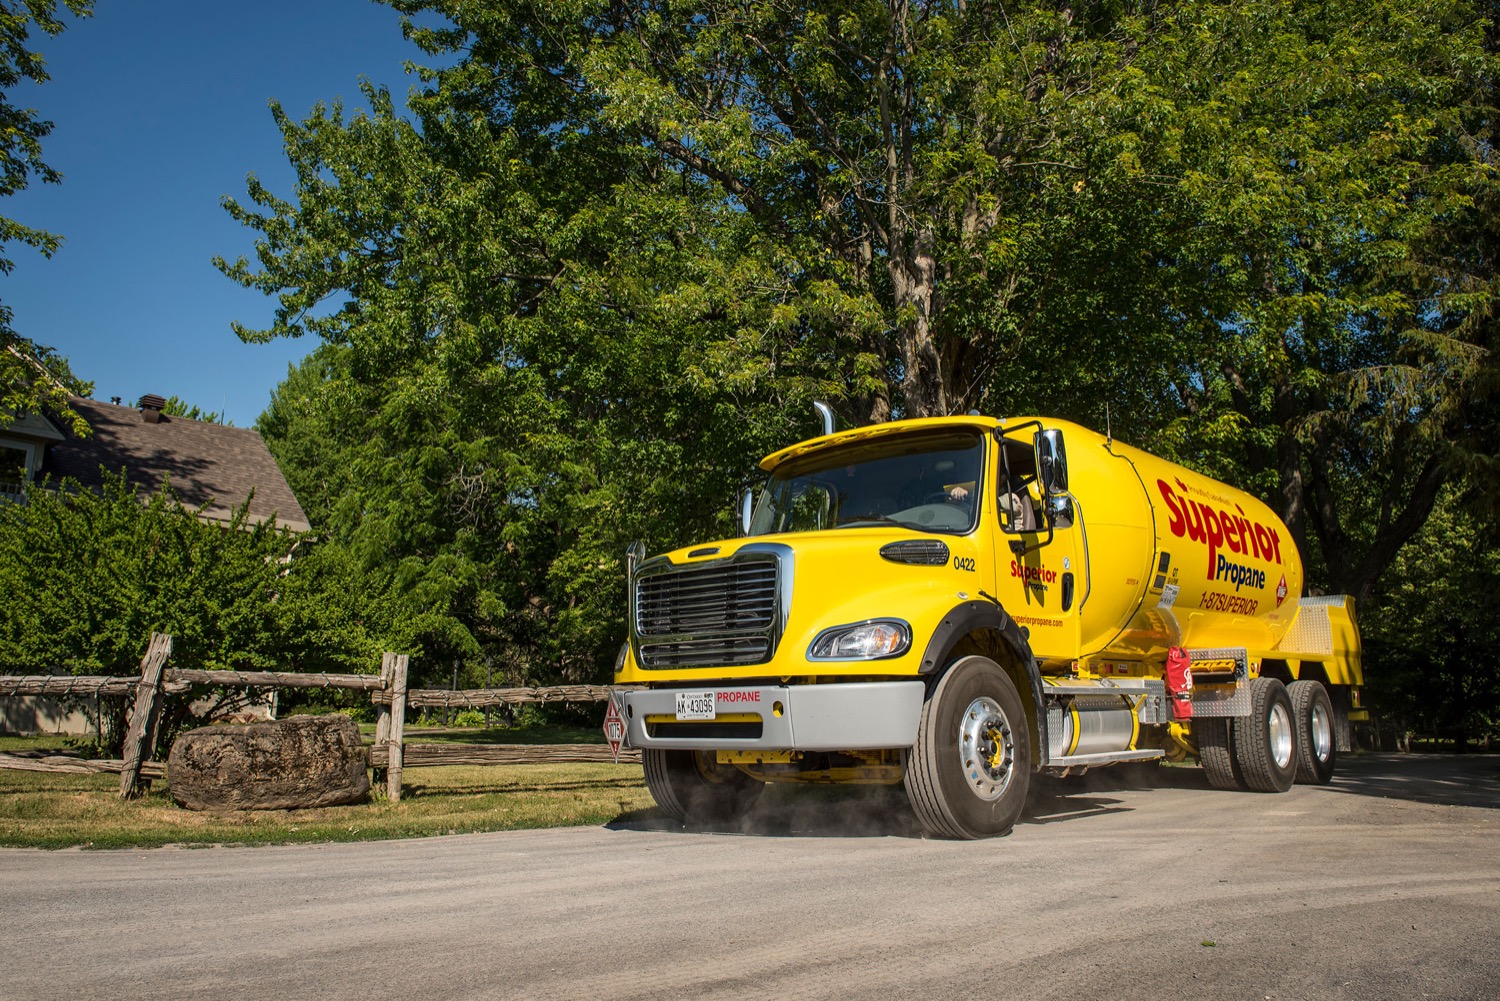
(865, 520)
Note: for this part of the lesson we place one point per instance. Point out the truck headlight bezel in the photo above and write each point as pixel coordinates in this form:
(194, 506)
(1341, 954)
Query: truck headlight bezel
(872, 639)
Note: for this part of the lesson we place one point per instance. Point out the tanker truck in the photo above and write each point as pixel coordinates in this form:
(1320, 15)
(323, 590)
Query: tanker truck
(955, 604)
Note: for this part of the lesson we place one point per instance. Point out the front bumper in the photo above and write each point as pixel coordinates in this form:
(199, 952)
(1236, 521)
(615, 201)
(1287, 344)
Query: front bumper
(837, 717)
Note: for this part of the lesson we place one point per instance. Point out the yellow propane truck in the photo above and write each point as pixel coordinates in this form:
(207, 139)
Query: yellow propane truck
(955, 603)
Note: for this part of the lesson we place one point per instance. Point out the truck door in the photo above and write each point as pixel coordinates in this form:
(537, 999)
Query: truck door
(1040, 558)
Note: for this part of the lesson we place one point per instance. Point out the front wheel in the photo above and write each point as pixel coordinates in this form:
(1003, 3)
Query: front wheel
(692, 787)
(968, 773)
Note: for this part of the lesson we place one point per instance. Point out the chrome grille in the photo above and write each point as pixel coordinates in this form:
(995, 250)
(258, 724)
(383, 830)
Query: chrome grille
(715, 599)
(694, 652)
(722, 612)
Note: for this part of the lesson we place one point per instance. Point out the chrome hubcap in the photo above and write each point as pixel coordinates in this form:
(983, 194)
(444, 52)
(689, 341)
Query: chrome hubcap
(1322, 733)
(1281, 736)
(986, 748)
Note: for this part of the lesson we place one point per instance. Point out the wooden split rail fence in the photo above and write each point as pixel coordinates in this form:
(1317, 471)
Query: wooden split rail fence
(388, 692)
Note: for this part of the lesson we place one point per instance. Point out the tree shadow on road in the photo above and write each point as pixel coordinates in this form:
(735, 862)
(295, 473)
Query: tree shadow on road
(1436, 779)
(1054, 800)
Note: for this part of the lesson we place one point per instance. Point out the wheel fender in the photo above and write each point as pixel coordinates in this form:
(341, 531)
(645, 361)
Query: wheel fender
(975, 616)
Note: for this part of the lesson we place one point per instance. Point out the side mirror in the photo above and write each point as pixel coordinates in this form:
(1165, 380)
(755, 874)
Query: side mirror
(747, 509)
(634, 553)
(1051, 461)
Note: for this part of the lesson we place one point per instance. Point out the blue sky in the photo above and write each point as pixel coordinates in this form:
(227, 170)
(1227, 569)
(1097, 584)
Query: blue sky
(160, 110)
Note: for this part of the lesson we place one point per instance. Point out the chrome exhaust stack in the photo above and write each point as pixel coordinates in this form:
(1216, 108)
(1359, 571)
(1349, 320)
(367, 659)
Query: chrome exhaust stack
(825, 412)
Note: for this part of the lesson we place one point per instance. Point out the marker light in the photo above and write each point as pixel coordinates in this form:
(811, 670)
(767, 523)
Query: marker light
(875, 639)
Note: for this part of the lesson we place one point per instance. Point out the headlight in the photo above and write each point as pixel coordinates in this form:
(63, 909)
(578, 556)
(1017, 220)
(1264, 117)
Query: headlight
(875, 639)
(620, 657)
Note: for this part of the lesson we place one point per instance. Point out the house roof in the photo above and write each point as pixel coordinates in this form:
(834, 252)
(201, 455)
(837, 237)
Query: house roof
(31, 427)
(206, 463)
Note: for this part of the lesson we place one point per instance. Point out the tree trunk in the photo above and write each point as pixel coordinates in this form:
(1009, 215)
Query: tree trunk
(914, 279)
(1289, 465)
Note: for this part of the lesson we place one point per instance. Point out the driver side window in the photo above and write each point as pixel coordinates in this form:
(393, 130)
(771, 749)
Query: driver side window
(1016, 510)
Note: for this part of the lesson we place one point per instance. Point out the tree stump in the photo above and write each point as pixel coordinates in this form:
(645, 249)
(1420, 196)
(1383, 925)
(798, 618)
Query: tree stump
(290, 764)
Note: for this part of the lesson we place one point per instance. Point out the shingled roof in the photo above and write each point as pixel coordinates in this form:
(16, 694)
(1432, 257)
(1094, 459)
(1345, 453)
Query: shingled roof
(207, 463)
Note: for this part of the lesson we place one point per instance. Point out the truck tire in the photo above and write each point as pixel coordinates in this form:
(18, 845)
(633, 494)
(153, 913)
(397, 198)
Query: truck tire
(1343, 729)
(1216, 753)
(692, 787)
(1265, 742)
(1317, 750)
(968, 773)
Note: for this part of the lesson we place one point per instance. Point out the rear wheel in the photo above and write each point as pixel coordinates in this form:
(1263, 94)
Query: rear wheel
(1265, 750)
(1216, 752)
(1312, 713)
(968, 773)
(692, 787)
(1343, 730)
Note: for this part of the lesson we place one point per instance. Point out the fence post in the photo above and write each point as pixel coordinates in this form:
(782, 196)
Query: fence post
(489, 682)
(383, 709)
(398, 727)
(140, 734)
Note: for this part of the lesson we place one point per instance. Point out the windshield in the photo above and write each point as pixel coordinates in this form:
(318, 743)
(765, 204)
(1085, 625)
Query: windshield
(924, 481)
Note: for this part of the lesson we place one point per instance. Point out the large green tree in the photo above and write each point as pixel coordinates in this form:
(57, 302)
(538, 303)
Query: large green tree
(1433, 637)
(32, 376)
(1326, 289)
(90, 575)
(913, 165)
(1348, 363)
(532, 365)
(616, 248)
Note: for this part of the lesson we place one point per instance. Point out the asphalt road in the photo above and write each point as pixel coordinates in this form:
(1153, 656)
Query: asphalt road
(1384, 885)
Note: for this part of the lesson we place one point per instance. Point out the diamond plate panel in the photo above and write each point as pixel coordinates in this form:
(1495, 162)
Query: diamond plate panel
(1222, 700)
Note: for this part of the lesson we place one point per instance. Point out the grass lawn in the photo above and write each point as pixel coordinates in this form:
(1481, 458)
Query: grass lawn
(47, 810)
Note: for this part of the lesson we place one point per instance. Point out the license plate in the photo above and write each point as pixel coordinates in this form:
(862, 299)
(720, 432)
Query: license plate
(695, 705)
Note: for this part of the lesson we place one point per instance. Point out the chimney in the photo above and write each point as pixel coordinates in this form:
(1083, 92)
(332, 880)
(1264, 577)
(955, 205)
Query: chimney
(151, 406)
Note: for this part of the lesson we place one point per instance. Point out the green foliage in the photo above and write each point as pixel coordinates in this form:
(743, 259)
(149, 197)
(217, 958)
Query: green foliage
(1314, 336)
(515, 389)
(178, 407)
(89, 576)
(617, 248)
(32, 377)
(1432, 639)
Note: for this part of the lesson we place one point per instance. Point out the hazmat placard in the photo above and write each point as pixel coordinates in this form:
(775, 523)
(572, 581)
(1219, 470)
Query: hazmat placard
(614, 728)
